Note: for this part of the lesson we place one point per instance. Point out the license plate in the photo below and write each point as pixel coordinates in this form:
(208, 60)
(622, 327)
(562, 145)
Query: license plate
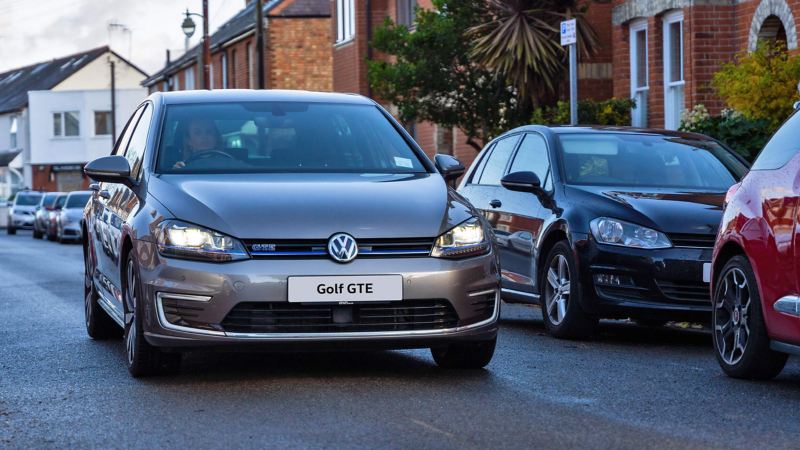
(346, 289)
(706, 272)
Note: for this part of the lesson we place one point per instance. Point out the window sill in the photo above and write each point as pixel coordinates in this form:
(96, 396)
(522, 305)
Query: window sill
(344, 43)
(65, 138)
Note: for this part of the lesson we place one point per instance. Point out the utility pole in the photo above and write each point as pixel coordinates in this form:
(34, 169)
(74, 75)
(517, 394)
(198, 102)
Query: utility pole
(260, 44)
(113, 103)
(569, 38)
(206, 49)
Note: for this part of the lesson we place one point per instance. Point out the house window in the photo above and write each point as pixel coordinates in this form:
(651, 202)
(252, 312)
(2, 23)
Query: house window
(224, 71)
(102, 123)
(189, 74)
(66, 124)
(345, 20)
(211, 75)
(405, 12)
(639, 72)
(673, 70)
(13, 132)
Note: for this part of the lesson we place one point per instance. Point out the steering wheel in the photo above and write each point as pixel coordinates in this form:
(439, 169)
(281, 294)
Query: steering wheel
(207, 154)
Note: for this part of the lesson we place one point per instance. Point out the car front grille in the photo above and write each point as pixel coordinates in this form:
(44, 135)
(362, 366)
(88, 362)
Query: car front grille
(692, 240)
(283, 317)
(317, 248)
(685, 291)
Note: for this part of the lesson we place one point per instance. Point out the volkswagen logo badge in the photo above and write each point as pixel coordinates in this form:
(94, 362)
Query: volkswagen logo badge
(342, 247)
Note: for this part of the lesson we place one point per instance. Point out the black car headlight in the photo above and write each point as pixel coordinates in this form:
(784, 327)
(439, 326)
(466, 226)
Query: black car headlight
(625, 234)
(462, 241)
(184, 240)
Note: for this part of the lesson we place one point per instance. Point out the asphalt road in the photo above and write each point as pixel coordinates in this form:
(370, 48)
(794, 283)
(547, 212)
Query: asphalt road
(629, 387)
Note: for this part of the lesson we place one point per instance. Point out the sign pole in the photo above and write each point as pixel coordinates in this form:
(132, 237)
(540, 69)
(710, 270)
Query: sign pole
(573, 84)
(569, 39)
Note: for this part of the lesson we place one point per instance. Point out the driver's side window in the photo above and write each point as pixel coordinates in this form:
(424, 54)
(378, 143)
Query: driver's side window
(135, 150)
(122, 142)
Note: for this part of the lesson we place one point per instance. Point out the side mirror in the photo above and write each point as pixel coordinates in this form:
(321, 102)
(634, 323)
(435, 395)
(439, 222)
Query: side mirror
(109, 169)
(522, 182)
(450, 167)
(796, 106)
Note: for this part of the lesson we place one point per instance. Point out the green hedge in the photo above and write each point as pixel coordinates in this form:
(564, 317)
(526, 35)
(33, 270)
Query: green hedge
(614, 111)
(745, 136)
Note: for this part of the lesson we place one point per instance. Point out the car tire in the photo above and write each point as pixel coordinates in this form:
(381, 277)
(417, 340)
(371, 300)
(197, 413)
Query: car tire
(561, 296)
(99, 325)
(740, 337)
(11, 230)
(36, 233)
(464, 355)
(142, 358)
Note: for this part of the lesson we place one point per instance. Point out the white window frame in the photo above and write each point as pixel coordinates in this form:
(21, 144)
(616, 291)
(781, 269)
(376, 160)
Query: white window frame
(405, 13)
(63, 132)
(671, 110)
(639, 113)
(224, 63)
(345, 21)
(13, 132)
(189, 78)
(250, 67)
(210, 75)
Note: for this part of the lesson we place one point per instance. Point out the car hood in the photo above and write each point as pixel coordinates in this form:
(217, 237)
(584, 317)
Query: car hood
(313, 206)
(667, 210)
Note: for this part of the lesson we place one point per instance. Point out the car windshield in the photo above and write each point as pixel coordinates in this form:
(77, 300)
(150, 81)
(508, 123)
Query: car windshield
(49, 200)
(60, 201)
(262, 137)
(28, 199)
(77, 201)
(648, 160)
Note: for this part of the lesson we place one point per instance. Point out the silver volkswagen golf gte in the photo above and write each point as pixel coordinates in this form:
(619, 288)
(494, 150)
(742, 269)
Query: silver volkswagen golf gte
(282, 220)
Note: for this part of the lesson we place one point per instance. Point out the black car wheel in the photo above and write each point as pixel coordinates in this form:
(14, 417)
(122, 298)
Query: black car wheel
(36, 233)
(740, 335)
(561, 294)
(11, 230)
(142, 358)
(466, 355)
(98, 323)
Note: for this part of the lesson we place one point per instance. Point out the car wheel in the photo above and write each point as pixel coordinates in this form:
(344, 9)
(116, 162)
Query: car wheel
(11, 230)
(142, 358)
(36, 233)
(561, 294)
(465, 355)
(740, 335)
(50, 236)
(98, 323)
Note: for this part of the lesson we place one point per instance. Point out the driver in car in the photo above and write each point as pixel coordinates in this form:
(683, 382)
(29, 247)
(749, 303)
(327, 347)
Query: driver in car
(200, 136)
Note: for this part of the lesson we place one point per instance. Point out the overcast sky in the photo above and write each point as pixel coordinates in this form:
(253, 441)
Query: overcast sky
(39, 30)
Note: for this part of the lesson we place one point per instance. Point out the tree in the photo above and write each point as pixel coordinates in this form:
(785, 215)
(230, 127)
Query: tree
(432, 77)
(762, 85)
(520, 42)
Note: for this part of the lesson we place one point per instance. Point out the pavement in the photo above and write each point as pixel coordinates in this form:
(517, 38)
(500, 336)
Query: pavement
(629, 387)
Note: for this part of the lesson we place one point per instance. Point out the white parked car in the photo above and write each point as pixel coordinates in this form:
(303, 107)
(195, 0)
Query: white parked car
(23, 211)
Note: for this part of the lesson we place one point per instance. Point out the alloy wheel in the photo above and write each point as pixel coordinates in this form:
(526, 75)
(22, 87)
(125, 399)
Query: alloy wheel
(557, 289)
(732, 316)
(131, 291)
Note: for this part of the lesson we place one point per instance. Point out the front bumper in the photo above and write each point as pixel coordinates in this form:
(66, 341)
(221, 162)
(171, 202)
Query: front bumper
(188, 302)
(663, 284)
(22, 220)
(71, 230)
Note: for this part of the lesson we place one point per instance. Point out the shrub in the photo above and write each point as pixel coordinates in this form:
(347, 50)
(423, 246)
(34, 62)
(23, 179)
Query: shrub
(745, 136)
(762, 84)
(613, 111)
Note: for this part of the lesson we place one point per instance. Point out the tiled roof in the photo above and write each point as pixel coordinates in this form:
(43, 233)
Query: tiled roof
(15, 84)
(243, 22)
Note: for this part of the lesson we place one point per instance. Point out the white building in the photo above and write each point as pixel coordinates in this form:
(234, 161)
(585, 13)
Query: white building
(55, 116)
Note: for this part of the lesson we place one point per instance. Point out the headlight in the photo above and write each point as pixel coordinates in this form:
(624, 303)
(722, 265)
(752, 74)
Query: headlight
(183, 240)
(464, 240)
(616, 232)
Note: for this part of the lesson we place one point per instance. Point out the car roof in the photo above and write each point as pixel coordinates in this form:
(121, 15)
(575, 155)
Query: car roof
(608, 129)
(80, 192)
(243, 95)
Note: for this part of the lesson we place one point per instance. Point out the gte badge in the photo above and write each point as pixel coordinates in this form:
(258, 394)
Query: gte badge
(263, 247)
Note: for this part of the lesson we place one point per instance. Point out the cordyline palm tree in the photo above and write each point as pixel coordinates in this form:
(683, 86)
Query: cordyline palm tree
(520, 42)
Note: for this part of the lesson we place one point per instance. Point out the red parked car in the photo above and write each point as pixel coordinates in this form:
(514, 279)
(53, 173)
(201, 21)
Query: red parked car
(756, 287)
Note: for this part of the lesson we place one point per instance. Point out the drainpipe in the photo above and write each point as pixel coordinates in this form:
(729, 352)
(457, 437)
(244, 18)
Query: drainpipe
(369, 41)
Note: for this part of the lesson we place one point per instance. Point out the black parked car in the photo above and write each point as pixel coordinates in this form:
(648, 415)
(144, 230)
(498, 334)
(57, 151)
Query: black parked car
(619, 222)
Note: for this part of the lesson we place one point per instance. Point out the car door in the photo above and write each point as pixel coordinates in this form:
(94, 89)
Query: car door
(521, 215)
(123, 202)
(101, 218)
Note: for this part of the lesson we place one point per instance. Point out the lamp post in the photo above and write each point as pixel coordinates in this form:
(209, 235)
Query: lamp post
(188, 28)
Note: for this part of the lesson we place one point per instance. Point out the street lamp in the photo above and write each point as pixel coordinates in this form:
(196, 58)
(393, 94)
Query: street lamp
(188, 27)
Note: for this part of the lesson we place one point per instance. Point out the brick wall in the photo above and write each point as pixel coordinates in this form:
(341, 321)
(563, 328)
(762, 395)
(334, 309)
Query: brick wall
(299, 54)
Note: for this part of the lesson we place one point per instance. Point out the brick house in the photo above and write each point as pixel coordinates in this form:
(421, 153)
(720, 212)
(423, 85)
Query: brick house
(297, 51)
(352, 26)
(665, 52)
